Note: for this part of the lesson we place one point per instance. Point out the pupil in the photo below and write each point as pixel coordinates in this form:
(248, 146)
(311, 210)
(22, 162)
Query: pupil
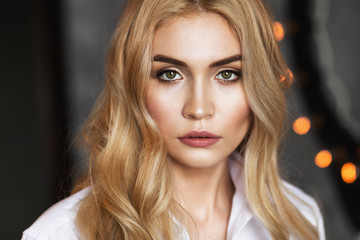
(170, 74)
(226, 75)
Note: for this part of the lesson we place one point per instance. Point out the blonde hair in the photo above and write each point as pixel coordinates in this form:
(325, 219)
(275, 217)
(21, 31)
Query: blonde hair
(131, 183)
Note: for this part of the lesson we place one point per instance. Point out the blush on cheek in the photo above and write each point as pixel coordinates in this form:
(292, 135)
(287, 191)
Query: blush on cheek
(240, 119)
(150, 101)
(155, 108)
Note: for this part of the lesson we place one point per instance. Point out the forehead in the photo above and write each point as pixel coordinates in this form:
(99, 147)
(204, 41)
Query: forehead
(201, 35)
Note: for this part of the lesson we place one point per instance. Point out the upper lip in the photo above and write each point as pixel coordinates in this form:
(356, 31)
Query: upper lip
(199, 134)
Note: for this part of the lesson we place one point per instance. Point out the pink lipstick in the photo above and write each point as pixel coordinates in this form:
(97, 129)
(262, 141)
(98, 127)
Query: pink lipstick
(199, 139)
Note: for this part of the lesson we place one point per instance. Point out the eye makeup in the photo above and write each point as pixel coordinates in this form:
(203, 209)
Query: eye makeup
(229, 76)
(168, 75)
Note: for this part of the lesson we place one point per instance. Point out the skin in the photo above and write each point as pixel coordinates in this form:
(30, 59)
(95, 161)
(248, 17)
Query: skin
(198, 91)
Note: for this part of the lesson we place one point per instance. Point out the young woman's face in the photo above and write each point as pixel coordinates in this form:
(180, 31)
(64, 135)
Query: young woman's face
(195, 93)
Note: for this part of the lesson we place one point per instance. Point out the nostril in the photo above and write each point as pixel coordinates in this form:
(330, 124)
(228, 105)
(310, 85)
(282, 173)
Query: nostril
(199, 105)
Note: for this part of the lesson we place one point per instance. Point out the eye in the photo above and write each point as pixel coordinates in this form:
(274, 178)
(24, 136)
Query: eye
(168, 75)
(228, 76)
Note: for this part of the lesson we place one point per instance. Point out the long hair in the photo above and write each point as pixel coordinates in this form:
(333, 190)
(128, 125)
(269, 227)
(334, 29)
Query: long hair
(128, 171)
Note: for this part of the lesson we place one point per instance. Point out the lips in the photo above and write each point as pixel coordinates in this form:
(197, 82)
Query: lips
(199, 139)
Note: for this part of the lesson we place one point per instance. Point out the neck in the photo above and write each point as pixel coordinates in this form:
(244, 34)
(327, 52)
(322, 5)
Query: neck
(206, 193)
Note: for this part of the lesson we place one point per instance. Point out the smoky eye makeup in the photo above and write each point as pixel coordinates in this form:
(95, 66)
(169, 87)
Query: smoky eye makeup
(229, 76)
(168, 75)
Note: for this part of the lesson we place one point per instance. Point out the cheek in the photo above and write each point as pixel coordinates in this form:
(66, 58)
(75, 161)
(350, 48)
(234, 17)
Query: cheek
(236, 112)
(153, 106)
(160, 109)
(242, 114)
(240, 121)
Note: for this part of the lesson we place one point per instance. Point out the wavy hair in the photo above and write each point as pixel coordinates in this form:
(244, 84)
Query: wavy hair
(128, 171)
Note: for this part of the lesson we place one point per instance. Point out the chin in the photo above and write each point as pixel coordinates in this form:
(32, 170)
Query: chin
(198, 159)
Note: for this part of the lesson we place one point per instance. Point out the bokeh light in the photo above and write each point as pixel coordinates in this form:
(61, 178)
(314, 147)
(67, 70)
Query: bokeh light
(348, 172)
(278, 31)
(291, 77)
(323, 159)
(301, 125)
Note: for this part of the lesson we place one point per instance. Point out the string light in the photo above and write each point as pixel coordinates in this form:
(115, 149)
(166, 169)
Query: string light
(301, 125)
(323, 159)
(348, 172)
(278, 31)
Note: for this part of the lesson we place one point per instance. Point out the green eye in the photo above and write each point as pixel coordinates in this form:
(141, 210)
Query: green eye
(168, 75)
(226, 75)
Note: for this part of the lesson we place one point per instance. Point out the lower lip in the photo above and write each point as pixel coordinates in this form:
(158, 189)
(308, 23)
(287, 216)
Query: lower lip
(199, 142)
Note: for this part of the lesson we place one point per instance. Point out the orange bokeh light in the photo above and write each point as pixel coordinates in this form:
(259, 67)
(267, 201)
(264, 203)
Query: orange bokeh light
(348, 172)
(323, 159)
(278, 31)
(291, 77)
(301, 125)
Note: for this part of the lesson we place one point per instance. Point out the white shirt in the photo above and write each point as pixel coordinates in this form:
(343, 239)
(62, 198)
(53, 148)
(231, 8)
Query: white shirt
(57, 223)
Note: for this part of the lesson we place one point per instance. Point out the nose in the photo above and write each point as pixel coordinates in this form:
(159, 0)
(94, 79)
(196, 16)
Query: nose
(199, 103)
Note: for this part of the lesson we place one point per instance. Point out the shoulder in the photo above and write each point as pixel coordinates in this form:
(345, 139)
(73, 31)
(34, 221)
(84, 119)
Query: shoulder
(307, 206)
(58, 222)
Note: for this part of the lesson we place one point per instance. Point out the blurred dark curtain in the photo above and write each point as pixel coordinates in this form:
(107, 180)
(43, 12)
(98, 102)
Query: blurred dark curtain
(34, 122)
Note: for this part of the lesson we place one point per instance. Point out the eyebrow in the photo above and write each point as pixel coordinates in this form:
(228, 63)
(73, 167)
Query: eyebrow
(226, 61)
(162, 58)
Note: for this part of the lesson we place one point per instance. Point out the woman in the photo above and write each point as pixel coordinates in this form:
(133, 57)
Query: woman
(183, 140)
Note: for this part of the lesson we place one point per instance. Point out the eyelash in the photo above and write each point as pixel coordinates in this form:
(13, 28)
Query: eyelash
(162, 72)
(238, 74)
